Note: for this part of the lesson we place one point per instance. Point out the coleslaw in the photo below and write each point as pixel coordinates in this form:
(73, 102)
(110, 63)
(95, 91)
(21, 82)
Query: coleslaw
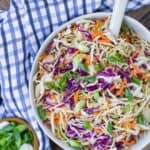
(93, 90)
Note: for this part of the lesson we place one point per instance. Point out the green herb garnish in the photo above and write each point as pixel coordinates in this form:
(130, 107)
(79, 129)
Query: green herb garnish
(126, 108)
(82, 48)
(109, 127)
(90, 78)
(124, 28)
(79, 106)
(49, 85)
(141, 119)
(99, 67)
(14, 135)
(117, 58)
(62, 82)
(115, 116)
(76, 61)
(136, 80)
(83, 67)
(128, 94)
(96, 96)
(75, 143)
(41, 112)
(87, 125)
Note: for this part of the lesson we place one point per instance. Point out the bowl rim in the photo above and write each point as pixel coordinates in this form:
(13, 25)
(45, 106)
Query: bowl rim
(47, 131)
(19, 120)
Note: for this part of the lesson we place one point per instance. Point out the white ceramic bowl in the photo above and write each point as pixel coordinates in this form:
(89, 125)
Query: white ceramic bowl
(138, 28)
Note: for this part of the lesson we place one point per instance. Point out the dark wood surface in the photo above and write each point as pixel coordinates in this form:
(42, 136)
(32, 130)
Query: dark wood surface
(141, 14)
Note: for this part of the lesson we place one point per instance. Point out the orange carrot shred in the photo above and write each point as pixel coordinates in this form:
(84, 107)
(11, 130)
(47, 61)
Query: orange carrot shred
(41, 57)
(88, 60)
(76, 95)
(98, 131)
(129, 143)
(123, 85)
(144, 77)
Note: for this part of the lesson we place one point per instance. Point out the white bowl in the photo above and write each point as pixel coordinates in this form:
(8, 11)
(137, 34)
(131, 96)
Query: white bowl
(138, 28)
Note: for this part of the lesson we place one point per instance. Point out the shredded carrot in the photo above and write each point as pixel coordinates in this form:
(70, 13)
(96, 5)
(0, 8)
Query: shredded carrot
(127, 38)
(87, 60)
(128, 143)
(98, 130)
(133, 123)
(122, 87)
(78, 114)
(129, 124)
(144, 77)
(103, 38)
(96, 113)
(98, 24)
(76, 95)
(96, 33)
(135, 70)
(76, 52)
(57, 119)
(41, 57)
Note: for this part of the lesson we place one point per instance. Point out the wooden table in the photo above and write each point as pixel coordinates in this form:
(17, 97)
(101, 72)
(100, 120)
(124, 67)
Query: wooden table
(142, 14)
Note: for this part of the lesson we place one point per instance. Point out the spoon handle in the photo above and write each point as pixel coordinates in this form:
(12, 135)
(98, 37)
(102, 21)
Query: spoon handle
(117, 16)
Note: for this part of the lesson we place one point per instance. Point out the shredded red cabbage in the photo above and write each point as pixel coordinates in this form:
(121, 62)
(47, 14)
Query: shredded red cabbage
(108, 72)
(103, 84)
(91, 110)
(86, 33)
(103, 142)
(71, 50)
(119, 145)
(81, 72)
(92, 87)
(56, 67)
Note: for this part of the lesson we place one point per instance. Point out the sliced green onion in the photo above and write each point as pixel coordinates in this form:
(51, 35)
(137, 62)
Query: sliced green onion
(136, 80)
(90, 78)
(87, 125)
(79, 105)
(96, 96)
(125, 29)
(68, 75)
(141, 119)
(126, 108)
(128, 94)
(62, 83)
(76, 61)
(82, 48)
(115, 116)
(49, 85)
(109, 127)
(83, 67)
(75, 143)
(99, 67)
(41, 112)
(116, 58)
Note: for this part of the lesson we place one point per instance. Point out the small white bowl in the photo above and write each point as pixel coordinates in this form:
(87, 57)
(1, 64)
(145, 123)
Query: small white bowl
(135, 25)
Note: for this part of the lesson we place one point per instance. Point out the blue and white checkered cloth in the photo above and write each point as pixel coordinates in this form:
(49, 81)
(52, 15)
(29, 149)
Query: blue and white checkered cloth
(23, 28)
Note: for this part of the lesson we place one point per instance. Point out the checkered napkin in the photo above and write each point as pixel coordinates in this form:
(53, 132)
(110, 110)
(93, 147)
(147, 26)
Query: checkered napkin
(23, 28)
